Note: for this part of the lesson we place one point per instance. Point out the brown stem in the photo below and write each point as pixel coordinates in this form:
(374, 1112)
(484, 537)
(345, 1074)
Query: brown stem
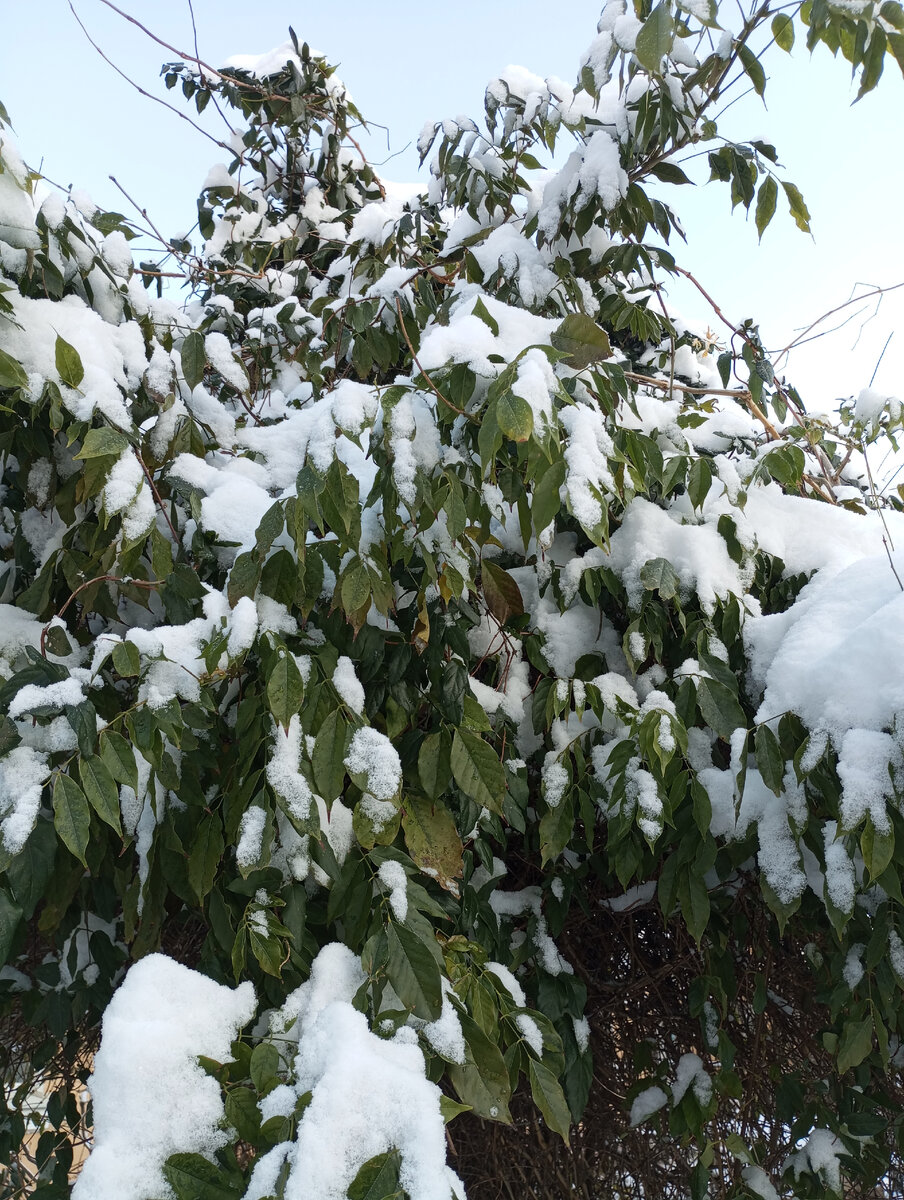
(139, 583)
(158, 499)
(132, 83)
(448, 403)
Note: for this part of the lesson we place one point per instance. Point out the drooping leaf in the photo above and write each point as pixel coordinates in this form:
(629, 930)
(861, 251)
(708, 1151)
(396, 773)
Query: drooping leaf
(432, 840)
(580, 337)
(477, 770)
(413, 973)
(71, 815)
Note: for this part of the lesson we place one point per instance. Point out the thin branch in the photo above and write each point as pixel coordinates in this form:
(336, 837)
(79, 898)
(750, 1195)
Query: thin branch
(448, 403)
(139, 583)
(139, 89)
(158, 499)
(216, 103)
(879, 291)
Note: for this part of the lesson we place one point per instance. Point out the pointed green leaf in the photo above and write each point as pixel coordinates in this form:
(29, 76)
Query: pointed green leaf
(855, 1044)
(119, 756)
(877, 848)
(330, 748)
(205, 855)
(765, 203)
(433, 766)
(546, 501)
(100, 788)
(126, 659)
(413, 973)
(378, 1179)
(194, 1178)
(549, 1098)
(12, 374)
(68, 363)
(193, 359)
(285, 689)
(71, 815)
(659, 575)
(769, 759)
(477, 770)
(783, 31)
(432, 840)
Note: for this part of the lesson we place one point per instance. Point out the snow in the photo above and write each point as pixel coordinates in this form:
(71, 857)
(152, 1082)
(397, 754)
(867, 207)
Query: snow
(52, 695)
(22, 775)
(369, 1094)
(372, 754)
(151, 1098)
(251, 833)
(392, 875)
(649, 1101)
(283, 774)
(348, 685)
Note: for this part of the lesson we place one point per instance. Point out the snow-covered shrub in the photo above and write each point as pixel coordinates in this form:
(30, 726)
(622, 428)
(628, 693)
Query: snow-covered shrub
(418, 586)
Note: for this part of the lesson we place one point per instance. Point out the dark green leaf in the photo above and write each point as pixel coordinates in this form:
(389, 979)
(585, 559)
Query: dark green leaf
(580, 337)
(11, 373)
(502, 594)
(765, 203)
(71, 815)
(68, 363)
(285, 689)
(413, 973)
(330, 749)
(769, 759)
(100, 788)
(10, 916)
(654, 40)
(378, 1179)
(194, 1178)
(477, 770)
(193, 359)
(549, 1098)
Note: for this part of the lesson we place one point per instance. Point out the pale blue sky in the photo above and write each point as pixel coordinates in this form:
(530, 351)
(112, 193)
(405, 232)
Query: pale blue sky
(406, 61)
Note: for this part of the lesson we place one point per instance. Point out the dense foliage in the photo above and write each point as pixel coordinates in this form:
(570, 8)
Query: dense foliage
(424, 628)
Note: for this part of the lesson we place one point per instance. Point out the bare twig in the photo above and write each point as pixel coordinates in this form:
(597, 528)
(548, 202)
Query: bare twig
(139, 583)
(158, 499)
(448, 403)
(137, 87)
(802, 336)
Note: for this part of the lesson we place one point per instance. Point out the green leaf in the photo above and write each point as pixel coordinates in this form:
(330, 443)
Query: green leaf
(694, 901)
(12, 374)
(265, 1067)
(30, 871)
(243, 1114)
(579, 336)
(654, 40)
(330, 748)
(100, 788)
(68, 363)
(720, 708)
(193, 359)
(481, 311)
(699, 480)
(515, 417)
(556, 827)
(413, 973)
(126, 659)
(194, 1178)
(477, 770)
(659, 575)
(378, 1178)
(798, 208)
(205, 855)
(877, 848)
(783, 31)
(483, 1081)
(545, 501)
(670, 173)
(98, 443)
(10, 916)
(765, 203)
(753, 67)
(549, 1098)
(855, 1044)
(502, 594)
(433, 766)
(71, 815)
(432, 840)
(119, 756)
(769, 759)
(285, 689)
